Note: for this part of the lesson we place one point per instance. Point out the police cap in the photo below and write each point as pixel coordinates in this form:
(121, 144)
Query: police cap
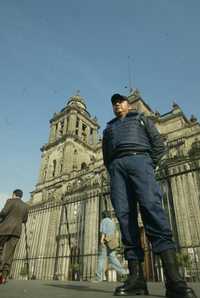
(118, 97)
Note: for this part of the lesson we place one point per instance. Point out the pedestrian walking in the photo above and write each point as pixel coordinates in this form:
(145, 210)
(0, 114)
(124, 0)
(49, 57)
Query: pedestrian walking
(14, 213)
(108, 245)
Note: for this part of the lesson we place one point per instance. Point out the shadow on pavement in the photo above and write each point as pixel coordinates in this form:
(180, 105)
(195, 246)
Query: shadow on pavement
(79, 288)
(89, 289)
(158, 296)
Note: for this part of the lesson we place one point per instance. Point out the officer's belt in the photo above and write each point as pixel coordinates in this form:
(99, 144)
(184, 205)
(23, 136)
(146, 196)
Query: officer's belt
(128, 153)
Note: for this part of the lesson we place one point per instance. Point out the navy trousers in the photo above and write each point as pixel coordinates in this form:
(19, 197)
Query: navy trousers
(133, 184)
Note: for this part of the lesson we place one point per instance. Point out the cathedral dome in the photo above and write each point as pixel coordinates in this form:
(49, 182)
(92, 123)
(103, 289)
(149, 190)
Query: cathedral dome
(77, 100)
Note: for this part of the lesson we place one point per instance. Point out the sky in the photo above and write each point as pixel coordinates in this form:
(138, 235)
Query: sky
(49, 49)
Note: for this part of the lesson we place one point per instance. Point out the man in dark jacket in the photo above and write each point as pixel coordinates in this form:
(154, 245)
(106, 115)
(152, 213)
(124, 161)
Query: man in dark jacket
(132, 148)
(14, 213)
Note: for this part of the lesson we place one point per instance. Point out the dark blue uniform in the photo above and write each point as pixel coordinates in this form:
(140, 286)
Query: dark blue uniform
(132, 148)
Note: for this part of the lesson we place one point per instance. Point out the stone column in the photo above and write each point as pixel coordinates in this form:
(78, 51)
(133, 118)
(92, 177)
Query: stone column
(72, 122)
(52, 134)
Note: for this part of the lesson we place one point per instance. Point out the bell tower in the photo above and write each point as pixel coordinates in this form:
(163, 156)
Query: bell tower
(72, 143)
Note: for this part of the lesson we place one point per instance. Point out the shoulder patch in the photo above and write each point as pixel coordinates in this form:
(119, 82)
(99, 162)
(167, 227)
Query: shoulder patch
(141, 118)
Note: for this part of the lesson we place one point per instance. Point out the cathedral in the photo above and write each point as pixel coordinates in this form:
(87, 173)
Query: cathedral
(61, 238)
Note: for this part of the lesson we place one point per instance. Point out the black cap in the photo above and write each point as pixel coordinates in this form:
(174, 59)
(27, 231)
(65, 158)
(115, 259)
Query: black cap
(115, 97)
(18, 193)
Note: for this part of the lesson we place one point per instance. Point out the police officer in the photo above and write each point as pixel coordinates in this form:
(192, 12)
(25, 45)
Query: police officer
(132, 148)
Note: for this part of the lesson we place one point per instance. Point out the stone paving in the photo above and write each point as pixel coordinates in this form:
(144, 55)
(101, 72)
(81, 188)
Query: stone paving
(60, 289)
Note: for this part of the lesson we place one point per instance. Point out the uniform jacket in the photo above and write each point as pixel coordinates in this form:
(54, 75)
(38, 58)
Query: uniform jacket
(14, 213)
(134, 132)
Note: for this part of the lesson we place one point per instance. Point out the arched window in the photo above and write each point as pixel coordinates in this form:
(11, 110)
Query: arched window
(83, 166)
(61, 167)
(54, 168)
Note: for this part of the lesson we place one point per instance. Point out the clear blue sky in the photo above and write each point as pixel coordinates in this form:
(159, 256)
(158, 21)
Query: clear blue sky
(51, 48)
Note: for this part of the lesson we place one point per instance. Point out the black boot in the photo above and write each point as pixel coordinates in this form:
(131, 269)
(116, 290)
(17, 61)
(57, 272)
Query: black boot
(176, 287)
(135, 283)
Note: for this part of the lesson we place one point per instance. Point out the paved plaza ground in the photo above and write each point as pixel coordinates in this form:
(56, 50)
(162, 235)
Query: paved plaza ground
(58, 289)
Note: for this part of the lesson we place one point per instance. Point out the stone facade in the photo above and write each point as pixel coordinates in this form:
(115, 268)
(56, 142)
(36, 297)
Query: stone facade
(73, 188)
